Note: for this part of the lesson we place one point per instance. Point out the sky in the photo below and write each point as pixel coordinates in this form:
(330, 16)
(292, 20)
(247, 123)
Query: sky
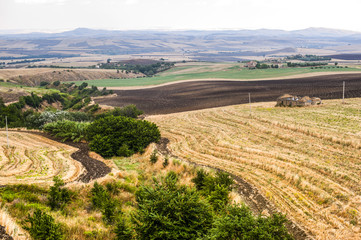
(60, 15)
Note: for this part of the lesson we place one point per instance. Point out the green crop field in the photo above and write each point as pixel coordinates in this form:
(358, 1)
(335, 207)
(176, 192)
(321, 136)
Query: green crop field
(210, 71)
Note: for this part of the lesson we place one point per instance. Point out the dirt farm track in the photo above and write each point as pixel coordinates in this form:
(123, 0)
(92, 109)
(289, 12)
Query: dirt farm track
(186, 96)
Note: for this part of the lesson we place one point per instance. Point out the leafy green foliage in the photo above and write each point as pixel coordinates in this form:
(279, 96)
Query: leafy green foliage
(43, 227)
(154, 157)
(101, 200)
(215, 188)
(124, 151)
(99, 195)
(38, 120)
(128, 111)
(122, 231)
(107, 135)
(238, 223)
(58, 195)
(67, 130)
(171, 211)
(166, 161)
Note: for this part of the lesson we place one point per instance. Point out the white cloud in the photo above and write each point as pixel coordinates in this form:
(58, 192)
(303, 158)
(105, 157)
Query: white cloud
(41, 1)
(131, 2)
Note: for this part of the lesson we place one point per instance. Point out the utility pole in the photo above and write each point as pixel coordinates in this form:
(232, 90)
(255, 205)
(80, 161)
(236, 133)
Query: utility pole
(250, 107)
(7, 133)
(343, 93)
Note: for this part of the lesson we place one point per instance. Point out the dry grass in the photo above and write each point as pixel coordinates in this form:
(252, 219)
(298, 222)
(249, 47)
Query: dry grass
(35, 159)
(11, 227)
(305, 160)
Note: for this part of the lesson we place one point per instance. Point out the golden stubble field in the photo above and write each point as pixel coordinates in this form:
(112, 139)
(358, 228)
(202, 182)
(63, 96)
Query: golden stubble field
(35, 159)
(306, 161)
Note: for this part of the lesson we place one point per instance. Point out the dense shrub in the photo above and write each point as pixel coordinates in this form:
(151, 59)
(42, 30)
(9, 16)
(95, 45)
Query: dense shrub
(171, 211)
(238, 223)
(128, 111)
(154, 157)
(58, 195)
(124, 151)
(99, 196)
(215, 188)
(107, 135)
(67, 130)
(122, 231)
(33, 100)
(101, 200)
(43, 227)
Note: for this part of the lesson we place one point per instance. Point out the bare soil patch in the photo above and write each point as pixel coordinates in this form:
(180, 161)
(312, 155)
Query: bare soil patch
(4, 235)
(187, 96)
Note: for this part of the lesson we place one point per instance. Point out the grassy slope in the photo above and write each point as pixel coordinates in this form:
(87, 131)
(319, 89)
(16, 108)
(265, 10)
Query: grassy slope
(222, 71)
(305, 160)
(16, 87)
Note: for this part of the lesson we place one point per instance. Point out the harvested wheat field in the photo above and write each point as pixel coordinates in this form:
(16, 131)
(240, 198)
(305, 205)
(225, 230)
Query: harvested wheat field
(35, 159)
(306, 161)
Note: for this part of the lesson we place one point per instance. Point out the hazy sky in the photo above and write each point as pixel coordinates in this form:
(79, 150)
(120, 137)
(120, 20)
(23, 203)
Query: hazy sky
(53, 15)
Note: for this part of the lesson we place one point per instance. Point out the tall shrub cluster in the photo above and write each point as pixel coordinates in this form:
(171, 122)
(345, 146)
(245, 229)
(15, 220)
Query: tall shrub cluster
(110, 134)
(68, 130)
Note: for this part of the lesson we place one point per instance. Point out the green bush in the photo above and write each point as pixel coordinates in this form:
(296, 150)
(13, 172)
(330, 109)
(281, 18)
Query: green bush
(215, 188)
(122, 231)
(102, 145)
(107, 135)
(67, 130)
(128, 111)
(171, 211)
(43, 226)
(58, 195)
(238, 223)
(166, 161)
(109, 211)
(154, 157)
(124, 151)
(99, 196)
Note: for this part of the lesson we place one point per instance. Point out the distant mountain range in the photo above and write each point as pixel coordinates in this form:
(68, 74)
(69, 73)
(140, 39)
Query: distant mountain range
(221, 45)
(308, 32)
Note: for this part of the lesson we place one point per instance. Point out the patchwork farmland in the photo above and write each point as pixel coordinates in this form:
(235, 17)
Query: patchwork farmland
(306, 161)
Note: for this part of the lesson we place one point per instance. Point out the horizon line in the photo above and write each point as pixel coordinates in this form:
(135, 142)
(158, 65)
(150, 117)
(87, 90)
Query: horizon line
(48, 31)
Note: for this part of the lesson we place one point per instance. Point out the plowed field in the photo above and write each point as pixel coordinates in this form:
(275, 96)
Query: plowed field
(187, 96)
(306, 161)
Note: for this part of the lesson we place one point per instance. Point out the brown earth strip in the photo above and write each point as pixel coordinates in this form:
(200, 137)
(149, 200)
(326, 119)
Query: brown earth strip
(4, 235)
(250, 194)
(187, 96)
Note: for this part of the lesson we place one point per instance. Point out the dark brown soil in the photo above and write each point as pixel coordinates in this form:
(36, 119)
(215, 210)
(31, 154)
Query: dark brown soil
(254, 199)
(94, 168)
(4, 235)
(188, 96)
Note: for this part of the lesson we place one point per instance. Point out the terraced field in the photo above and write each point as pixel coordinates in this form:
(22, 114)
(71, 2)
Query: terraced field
(35, 159)
(306, 161)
